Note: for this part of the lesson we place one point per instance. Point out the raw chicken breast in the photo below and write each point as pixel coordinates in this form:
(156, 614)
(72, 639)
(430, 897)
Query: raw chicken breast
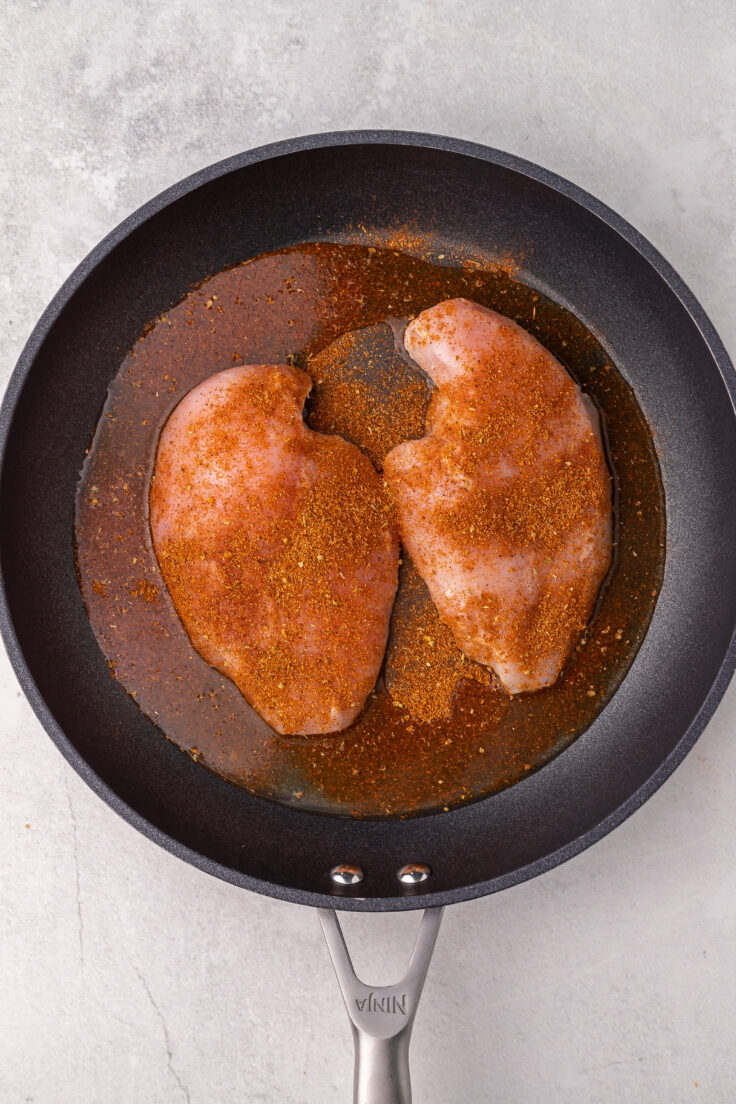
(505, 503)
(277, 546)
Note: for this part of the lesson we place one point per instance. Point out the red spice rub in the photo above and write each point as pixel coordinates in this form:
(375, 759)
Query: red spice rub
(424, 666)
(277, 546)
(364, 391)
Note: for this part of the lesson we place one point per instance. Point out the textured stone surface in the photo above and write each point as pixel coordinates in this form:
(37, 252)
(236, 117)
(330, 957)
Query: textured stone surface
(126, 976)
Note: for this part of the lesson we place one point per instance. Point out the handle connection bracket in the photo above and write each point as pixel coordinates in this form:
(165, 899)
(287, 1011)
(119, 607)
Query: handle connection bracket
(381, 1016)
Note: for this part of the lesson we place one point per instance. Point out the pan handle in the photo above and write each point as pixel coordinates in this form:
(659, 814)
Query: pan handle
(381, 1016)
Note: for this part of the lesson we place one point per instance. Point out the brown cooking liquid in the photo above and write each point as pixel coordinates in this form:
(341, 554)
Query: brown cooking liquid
(402, 755)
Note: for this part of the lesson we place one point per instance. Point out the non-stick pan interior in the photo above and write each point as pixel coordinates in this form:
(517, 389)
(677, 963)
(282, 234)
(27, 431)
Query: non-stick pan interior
(309, 190)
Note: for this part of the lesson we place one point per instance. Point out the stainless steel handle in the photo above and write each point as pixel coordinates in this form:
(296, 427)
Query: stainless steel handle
(381, 1070)
(382, 1016)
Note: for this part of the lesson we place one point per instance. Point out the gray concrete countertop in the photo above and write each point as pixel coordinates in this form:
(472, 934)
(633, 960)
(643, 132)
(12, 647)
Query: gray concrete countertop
(128, 977)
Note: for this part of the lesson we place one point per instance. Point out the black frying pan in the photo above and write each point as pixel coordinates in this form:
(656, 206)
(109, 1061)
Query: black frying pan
(578, 252)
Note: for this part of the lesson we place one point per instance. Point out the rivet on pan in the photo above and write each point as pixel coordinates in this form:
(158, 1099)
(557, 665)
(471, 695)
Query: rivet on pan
(413, 873)
(346, 875)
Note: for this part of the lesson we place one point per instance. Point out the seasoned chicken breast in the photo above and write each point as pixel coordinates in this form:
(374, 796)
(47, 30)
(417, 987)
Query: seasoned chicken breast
(277, 546)
(505, 504)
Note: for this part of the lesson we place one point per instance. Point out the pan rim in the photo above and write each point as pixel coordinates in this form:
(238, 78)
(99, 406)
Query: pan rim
(58, 303)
